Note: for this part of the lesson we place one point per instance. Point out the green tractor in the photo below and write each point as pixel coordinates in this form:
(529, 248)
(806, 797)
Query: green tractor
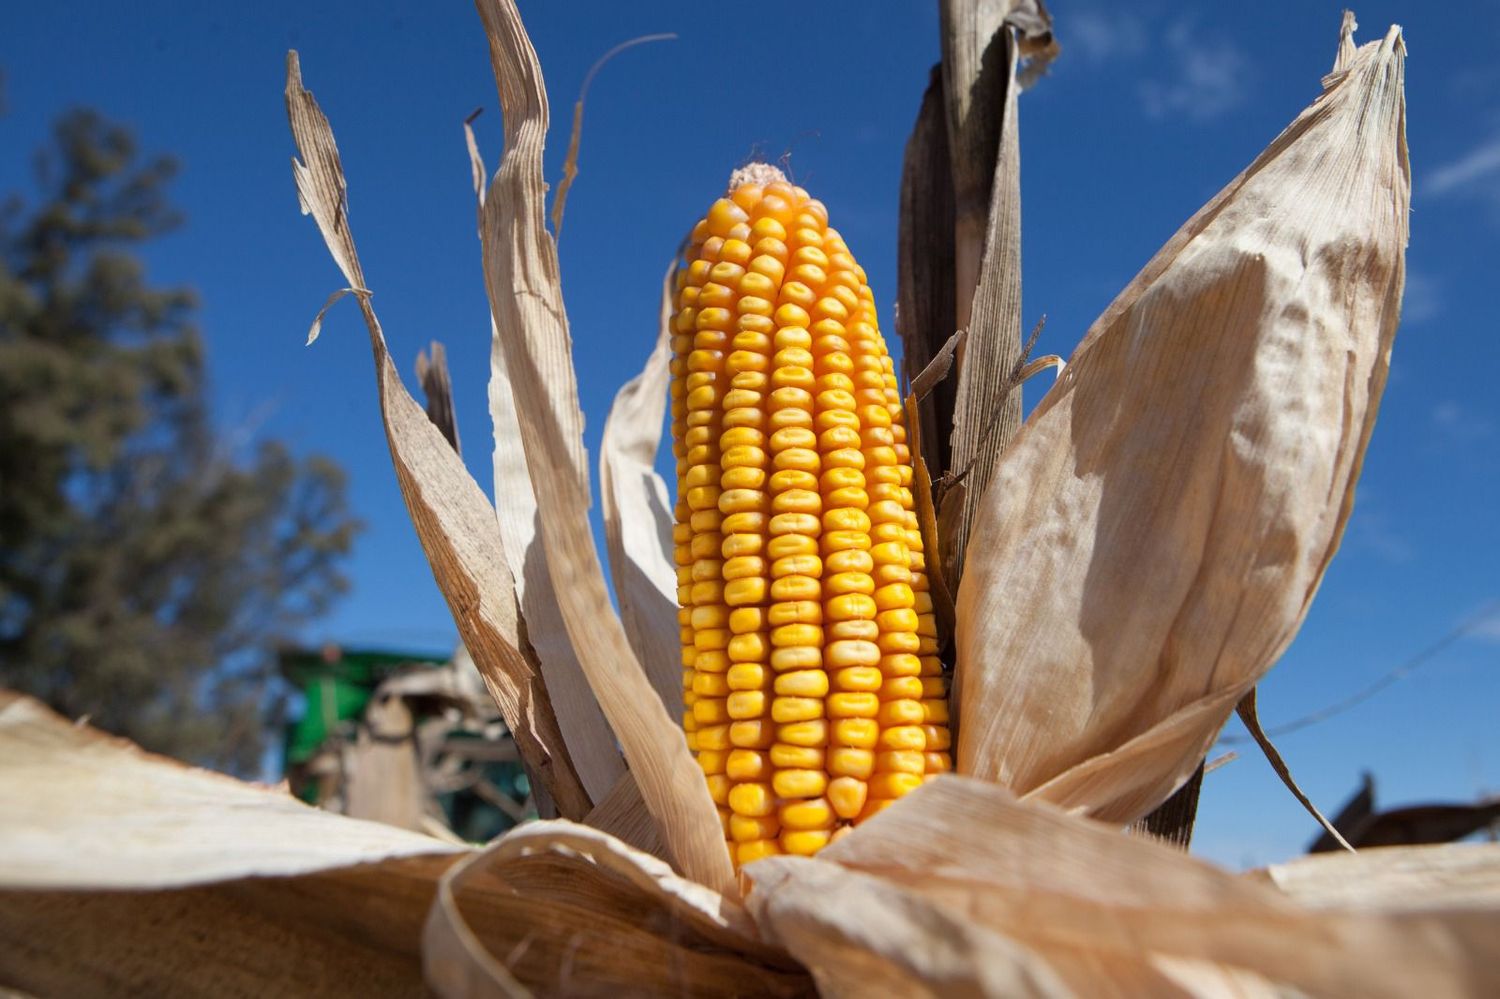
(407, 739)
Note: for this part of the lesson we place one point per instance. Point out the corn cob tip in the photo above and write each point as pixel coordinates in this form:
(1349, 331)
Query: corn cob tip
(759, 174)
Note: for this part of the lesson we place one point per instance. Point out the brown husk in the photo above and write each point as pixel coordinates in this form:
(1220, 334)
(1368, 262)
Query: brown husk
(521, 276)
(454, 520)
(126, 872)
(1154, 536)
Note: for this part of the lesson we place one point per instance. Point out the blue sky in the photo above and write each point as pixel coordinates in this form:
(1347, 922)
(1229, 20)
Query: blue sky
(1146, 114)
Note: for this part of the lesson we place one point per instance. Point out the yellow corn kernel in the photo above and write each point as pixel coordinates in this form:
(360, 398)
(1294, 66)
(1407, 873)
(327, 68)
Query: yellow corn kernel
(754, 850)
(797, 757)
(748, 828)
(799, 783)
(937, 763)
(754, 799)
(900, 761)
(718, 788)
(862, 733)
(847, 796)
(891, 785)
(815, 813)
(805, 842)
(743, 764)
(847, 761)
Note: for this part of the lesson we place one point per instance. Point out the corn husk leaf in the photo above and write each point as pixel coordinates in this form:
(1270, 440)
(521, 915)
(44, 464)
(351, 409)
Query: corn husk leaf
(638, 515)
(569, 910)
(521, 276)
(986, 409)
(1154, 536)
(437, 387)
(623, 815)
(125, 872)
(925, 312)
(960, 887)
(454, 520)
(590, 743)
(1393, 879)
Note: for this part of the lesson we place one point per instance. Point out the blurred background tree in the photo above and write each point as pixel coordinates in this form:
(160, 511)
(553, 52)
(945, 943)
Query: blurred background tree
(147, 570)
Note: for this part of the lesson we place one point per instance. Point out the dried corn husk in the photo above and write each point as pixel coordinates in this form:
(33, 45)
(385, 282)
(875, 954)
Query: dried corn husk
(1391, 879)
(453, 519)
(113, 862)
(1080, 909)
(123, 872)
(638, 514)
(1153, 537)
(521, 276)
(590, 745)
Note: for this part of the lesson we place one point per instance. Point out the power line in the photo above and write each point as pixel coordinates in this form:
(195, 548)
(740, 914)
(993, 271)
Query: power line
(1401, 672)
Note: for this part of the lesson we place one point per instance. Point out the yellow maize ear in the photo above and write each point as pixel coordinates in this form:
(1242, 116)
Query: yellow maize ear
(812, 692)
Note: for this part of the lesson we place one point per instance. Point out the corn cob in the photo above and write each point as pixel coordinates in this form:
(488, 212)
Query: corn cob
(813, 695)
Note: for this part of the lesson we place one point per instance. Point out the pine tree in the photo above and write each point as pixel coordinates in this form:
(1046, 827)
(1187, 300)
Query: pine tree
(147, 571)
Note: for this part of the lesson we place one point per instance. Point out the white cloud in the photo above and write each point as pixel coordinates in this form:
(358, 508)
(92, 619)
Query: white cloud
(1099, 36)
(1488, 629)
(1477, 171)
(1209, 77)
(1459, 425)
(1190, 74)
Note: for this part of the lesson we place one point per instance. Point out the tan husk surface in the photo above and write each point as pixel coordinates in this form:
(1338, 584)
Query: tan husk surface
(985, 412)
(122, 871)
(590, 743)
(638, 514)
(1077, 908)
(1154, 536)
(454, 520)
(521, 276)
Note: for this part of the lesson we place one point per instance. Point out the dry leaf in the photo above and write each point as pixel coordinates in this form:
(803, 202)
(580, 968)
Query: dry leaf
(84, 810)
(454, 520)
(622, 813)
(926, 316)
(113, 862)
(1393, 879)
(590, 743)
(1154, 535)
(568, 910)
(521, 276)
(638, 515)
(986, 406)
(437, 386)
(959, 864)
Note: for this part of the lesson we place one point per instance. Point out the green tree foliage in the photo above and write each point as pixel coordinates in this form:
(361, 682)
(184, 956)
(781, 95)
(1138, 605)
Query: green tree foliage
(147, 570)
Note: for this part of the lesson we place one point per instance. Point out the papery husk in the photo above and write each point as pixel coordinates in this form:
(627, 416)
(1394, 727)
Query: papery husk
(568, 910)
(454, 520)
(1153, 537)
(960, 887)
(122, 872)
(959, 249)
(590, 744)
(437, 387)
(1393, 879)
(525, 291)
(638, 514)
(986, 412)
